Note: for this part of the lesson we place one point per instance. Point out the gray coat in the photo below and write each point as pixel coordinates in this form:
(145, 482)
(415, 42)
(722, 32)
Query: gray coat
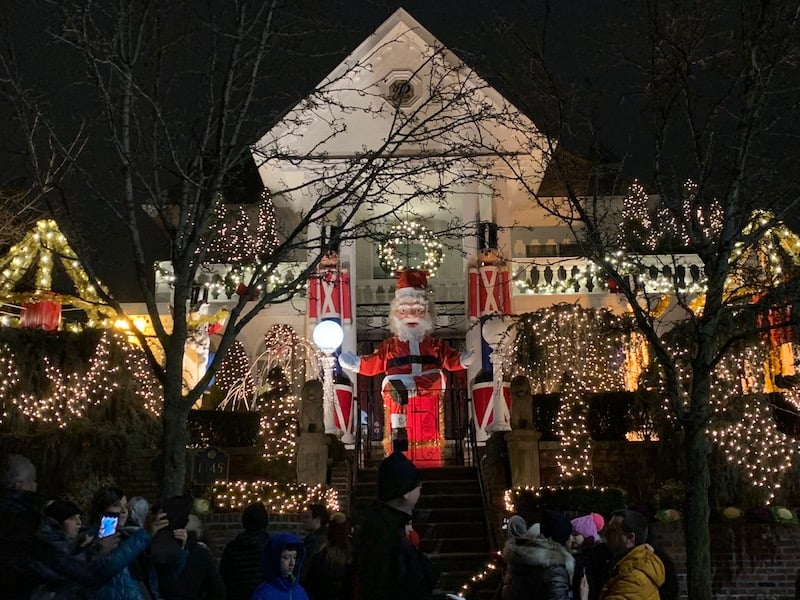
(536, 568)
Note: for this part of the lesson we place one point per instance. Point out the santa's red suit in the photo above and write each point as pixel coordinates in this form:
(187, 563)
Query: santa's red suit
(489, 291)
(417, 364)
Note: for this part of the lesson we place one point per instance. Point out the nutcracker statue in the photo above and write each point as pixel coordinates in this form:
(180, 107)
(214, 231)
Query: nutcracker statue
(413, 362)
(329, 300)
(489, 296)
(329, 291)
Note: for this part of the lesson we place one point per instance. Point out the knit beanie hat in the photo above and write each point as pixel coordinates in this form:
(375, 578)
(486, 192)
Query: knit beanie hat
(396, 476)
(585, 526)
(556, 526)
(255, 517)
(599, 521)
(61, 510)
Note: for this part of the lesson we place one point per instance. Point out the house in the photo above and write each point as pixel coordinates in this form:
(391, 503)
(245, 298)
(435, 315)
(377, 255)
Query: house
(449, 167)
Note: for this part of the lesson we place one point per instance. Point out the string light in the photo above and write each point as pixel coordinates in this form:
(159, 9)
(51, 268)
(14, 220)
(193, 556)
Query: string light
(241, 238)
(36, 252)
(68, 395)
(282, 498)
(239, 244)
(235, 369)
(577, 351)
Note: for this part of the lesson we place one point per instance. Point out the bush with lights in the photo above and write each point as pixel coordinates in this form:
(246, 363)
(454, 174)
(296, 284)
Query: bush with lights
(76, 403)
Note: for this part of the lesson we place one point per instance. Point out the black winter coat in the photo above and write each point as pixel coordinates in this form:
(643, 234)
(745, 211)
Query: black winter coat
(240, 565)
(199, 578)
(536, 568)
(20, 517)
(387, 566)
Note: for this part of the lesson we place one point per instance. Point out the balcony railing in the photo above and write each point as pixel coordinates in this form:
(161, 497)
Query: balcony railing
(654, 273)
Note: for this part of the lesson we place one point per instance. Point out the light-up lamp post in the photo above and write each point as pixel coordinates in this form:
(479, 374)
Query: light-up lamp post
(499, 333)
(328, 336)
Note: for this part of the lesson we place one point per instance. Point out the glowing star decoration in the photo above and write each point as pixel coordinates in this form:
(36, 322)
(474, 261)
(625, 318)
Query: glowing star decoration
(410, 245)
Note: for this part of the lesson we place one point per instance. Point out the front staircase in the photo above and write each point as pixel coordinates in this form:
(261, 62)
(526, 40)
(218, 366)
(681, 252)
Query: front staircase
(450, 521)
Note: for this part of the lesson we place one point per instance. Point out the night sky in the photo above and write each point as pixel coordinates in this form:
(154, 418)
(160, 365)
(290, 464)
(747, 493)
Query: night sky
(582, 38)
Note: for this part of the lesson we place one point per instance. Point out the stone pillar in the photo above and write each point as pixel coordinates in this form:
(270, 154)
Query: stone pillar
(312, 458)
(523, 455)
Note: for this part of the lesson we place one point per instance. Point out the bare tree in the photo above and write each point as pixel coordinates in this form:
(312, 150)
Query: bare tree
(173, 97)
(22, 196)
(718, 83)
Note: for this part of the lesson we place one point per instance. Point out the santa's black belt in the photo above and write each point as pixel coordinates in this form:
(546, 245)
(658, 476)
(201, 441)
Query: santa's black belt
(411, 359)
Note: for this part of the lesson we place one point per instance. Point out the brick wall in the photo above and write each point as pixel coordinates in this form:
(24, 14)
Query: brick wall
(749, 561)
(220, 528)
(628, 465)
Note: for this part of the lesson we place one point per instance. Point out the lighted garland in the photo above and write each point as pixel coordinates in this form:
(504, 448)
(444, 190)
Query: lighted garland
(71, 394)
(405, 235)
(281, 498)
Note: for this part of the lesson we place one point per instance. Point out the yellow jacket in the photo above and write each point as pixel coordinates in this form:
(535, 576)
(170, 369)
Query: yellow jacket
(637, 576)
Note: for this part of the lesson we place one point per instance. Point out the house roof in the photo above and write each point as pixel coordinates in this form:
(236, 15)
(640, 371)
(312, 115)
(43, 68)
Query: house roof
(400, 51)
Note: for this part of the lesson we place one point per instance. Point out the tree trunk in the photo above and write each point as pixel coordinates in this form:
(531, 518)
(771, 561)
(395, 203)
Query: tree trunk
(698, 546)
(173, 445)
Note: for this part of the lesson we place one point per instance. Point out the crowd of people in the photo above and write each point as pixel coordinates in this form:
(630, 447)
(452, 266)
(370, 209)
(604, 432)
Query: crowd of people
(563, 559)
(127, 549)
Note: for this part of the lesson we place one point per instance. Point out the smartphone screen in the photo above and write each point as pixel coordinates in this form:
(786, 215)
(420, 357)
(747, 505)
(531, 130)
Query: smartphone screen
(108, 525)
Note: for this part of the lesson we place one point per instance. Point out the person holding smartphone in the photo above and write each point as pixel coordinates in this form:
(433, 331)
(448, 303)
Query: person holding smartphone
(115, 553)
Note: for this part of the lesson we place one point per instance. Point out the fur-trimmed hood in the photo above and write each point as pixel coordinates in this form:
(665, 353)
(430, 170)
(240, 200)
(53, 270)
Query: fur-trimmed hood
(538, 552)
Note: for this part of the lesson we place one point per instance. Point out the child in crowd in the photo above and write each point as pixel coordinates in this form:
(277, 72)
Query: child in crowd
(283, 559)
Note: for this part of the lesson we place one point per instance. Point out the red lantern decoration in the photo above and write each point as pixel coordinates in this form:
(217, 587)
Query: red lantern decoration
(44, 314)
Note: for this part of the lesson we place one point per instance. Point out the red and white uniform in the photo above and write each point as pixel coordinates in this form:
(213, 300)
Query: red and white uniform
(417, 364)
(489, 291)
(329, 295)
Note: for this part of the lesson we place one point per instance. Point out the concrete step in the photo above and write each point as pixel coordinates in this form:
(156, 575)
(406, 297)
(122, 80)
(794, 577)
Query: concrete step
(369, 489)
(453, 544)
(431, 474)
(444, 514)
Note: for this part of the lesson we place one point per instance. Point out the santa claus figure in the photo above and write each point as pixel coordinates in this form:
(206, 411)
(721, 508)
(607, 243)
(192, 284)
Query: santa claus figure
(412, 360)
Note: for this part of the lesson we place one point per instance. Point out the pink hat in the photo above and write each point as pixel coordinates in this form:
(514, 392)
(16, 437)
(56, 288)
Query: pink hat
(585, 526)
(599, 521)
(411, 281)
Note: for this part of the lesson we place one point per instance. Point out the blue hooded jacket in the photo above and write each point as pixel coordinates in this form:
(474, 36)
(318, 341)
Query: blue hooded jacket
(276, 587)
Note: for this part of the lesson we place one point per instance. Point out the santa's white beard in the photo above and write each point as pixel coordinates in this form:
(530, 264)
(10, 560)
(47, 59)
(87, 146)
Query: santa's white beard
(410, 334)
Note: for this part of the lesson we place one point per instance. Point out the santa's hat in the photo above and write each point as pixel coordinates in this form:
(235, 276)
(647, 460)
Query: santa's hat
(411, 282)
